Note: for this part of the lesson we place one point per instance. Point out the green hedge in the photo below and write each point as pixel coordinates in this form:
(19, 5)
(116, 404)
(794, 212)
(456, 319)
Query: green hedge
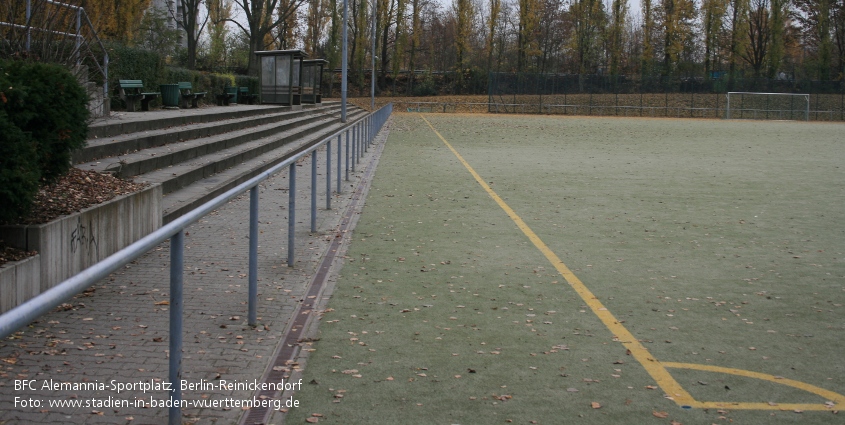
(130, 63)
(43, 118)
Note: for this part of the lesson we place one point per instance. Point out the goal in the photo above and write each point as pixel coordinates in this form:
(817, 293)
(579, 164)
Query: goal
(767, 106)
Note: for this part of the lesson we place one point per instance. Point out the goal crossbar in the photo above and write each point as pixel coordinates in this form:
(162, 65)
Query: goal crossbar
(803, 107)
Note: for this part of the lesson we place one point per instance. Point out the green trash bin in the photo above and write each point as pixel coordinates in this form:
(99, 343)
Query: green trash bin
(169, 95)
(234, 92)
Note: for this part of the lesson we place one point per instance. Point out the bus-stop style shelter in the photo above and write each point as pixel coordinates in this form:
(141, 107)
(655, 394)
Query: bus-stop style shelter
(312, 76)
(280, 76)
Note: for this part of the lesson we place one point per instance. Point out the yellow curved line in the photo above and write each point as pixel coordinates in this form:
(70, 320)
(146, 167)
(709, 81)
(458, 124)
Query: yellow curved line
(657, 370)
(837, 398)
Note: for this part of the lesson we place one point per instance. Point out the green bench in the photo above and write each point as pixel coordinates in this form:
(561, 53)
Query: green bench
(131, 91)
(245, 97)
(188, 93)
(229, 93)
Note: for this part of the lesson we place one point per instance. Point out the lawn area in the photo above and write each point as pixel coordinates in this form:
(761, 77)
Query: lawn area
(717, 245)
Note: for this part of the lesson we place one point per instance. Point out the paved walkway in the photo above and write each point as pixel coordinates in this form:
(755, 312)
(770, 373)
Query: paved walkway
(107, 350)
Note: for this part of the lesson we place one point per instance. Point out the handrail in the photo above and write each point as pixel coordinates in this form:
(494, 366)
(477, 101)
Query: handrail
(363, 133)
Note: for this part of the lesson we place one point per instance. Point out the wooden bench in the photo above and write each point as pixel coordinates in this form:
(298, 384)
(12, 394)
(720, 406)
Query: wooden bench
(187, 90)
(131, 92)
(245, 97)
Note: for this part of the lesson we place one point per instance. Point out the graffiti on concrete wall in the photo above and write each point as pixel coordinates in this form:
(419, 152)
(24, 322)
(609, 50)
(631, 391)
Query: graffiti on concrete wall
(84, 237)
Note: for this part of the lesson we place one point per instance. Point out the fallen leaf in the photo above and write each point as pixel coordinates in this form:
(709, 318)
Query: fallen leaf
(163, 303)
(595, 405)
(660, 414)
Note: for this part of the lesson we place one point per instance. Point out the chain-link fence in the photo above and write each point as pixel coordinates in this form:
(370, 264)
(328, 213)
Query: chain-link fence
(652, 96)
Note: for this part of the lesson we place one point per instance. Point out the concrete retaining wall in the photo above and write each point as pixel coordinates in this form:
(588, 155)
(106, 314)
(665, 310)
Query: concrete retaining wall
(72, 243)
(16, 282)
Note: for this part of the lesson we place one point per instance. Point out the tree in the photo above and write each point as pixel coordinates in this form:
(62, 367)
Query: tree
(115, 19)
(759, 36)
(155, 34)
(713, 13)
(190, 23)
(262, 18)
(526, 39)
(218, 12)
(647, 66)
(463, 28)
(814, 17)
(492, 22)
(588, 21)
(677, 18)
(618, 16)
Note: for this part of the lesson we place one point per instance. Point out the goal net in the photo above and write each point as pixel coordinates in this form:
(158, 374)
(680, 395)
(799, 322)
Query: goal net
(767, 106)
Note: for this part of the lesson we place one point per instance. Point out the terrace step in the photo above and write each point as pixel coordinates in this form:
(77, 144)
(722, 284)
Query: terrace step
(179, 202)
(198, 154)
(157, 133)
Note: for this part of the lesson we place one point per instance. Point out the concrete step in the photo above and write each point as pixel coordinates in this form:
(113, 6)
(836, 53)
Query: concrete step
(153, 158)
(132, 122)
(214, 123)
(186, 198)
(180, 175)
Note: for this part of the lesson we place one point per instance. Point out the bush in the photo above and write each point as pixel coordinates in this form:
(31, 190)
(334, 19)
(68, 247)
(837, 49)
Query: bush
(43, 117)
(47, 102)
(132, 63)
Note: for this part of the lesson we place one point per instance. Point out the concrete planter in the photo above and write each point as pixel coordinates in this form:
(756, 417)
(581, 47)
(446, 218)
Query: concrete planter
(16, 282)
(72, 243)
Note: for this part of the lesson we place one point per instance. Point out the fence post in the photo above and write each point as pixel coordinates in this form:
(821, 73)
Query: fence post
(253, 256)
(177, 265)
(291, 212)
(347, 154)
(329, 175)
(314, 191)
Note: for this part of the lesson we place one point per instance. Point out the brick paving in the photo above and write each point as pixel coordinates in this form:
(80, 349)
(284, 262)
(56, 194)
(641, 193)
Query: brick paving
(117, 332)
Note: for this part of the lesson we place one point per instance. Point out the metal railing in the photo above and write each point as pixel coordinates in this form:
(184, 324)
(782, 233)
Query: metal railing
(359, 136)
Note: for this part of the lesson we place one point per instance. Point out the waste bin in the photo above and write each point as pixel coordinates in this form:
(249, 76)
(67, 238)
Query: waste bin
(234, 92)
(169, 95)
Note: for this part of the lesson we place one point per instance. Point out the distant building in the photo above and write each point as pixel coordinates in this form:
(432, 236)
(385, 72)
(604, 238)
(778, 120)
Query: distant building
(172, 11)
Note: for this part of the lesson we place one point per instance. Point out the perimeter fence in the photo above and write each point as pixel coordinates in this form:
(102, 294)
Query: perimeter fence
(570, 94)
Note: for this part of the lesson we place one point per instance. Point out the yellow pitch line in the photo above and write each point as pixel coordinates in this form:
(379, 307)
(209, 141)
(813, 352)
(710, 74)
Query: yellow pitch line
(651, 365)
(829, 395)
(656, 369)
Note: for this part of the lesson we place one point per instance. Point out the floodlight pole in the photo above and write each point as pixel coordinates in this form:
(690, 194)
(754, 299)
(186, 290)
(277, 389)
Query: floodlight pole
(373, 68)
(343, 62)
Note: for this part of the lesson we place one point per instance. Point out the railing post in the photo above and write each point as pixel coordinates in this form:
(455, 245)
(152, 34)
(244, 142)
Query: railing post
(177, 244)
(354, 145)
(291, 212)
(314, 191)
(253, 256)
(78, 36)
(28, 26)
(347, 154)
(339, 161)
(329, 175)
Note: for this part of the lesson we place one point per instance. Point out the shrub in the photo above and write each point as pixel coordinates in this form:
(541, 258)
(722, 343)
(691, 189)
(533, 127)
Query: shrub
(47, 102)
(43, 117)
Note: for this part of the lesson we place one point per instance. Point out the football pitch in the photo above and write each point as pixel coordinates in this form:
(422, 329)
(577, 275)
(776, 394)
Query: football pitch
(537, 269)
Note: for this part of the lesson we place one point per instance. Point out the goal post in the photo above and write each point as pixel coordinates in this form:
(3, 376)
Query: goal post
(778, 106)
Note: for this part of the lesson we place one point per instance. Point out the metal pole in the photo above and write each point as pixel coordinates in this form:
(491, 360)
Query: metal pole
(373, 71)
(28, 24)
(314, 191)
(329, 175)
(177, 265)
(354, 145)
(343, 61)
(339, 161)
(78, 35)
(253, 256)
(347, 154)
(291, 212)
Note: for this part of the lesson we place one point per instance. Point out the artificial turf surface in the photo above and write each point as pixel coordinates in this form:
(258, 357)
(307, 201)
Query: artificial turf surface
(713, 242)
